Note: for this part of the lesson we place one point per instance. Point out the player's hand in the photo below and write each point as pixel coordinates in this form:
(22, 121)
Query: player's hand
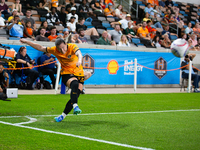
(23, 40)
(78, 64)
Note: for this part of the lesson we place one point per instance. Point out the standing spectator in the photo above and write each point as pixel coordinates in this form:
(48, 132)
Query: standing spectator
(166, 43)
(2, 22)
(149, 9)
(196, 30)
(44, 4)
(45, 25)
(53, 35)
(49, 69)
(54, 3)
(189, 30)
(103, 39)
(70, 5)
(42, 36)
(83, 9)
(62, 16)
(61, 3)
(71, 25)
(4, 80)
(119, 12)
(73, 14)
(129, 31)
(115, 34)
(24, 60)
(156, 41)
(18, 7)
(4, 8)
(29, 18)
(123, 22)
(123, 41)
(29, 32)
(52, 17)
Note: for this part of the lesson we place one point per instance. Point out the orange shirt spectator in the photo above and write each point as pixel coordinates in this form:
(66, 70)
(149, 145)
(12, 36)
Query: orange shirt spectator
(109, 11)
(54, 3)
(142, 31)
(153, 33)
(30, 31)
(153, 2)
(50, 37)
(109, 1)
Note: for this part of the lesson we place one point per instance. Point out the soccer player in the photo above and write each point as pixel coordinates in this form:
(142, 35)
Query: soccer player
(70, 58)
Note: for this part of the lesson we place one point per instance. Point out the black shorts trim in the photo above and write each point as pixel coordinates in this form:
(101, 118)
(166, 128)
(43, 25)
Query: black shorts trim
(66, 77)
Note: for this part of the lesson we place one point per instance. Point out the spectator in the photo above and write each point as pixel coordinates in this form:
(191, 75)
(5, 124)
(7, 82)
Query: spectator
(96, 7)
(4, 80)
(189, 30)
(66, 35)
(70, 5)
(42, 36)
(109, 11)
(18, 7)
(193, 38)
(123, 22)
(24, 60)
(83, 9)
(144, 36)
(103, 39)
(45, 25)
(157, 11)
(73, 14)
(49, 69)
(109, 1)
(192, 47)
(2, 22)
(153, 33)
(29, 18)
(15, 29)
(179, 22)
(196, 30)
(115, 34)
(146, 17)
(119, 12)
(14, 12)
(129, 31)
(156, 41)
(52, 17)
(149, 9)
(32, 4)
(169, 3)
(75, 39)
(166, 30)
(167, 16)
(152, 2)
(123, 41)
(185, 71)
(82, 37)
(53, 35)
(29, 32)
(184, 36)
(54, 3)
(62, 16)
(4, 8)
(61, 3)
(102, 4)
(149, 25)
(166, 43)
(113, 43)
(44, 4)
(162, 3)
(71, 25)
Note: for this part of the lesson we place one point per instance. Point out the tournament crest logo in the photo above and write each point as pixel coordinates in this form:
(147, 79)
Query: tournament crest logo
(160, 67)
(88, 63)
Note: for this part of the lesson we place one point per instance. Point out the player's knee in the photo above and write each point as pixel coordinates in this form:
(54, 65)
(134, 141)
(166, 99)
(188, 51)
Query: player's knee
(74, 84)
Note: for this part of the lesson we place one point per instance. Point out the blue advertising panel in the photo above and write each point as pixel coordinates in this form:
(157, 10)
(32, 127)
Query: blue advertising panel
(115, 67)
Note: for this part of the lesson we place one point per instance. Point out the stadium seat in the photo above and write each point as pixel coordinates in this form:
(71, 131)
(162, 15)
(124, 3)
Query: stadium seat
(182, 12)
(137, 42)
(100, 31)
(88, 27)
(110, 19)
(193, 22)
(87, 23)
(185, 26)
(139, 2)
(43, 19)
(106, 25)
(101, 18)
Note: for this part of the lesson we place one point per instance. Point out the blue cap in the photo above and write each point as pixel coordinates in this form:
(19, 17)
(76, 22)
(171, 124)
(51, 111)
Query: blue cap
(65, 29)
(110, 4)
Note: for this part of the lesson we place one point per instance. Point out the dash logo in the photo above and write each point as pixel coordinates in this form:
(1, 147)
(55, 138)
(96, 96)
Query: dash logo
(88, 63)
(160, 67)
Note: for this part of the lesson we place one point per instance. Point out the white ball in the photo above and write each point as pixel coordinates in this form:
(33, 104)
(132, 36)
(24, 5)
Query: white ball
(180, 47)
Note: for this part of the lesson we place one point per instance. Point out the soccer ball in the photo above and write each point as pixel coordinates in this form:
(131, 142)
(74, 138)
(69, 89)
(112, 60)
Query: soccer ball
(180, 48)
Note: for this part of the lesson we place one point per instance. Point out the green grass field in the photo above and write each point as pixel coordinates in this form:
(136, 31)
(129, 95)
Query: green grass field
(108, 122)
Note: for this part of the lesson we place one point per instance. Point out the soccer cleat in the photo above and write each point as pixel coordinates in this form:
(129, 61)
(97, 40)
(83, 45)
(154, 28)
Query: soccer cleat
(59, 118)
(196, 90)
(77, 110)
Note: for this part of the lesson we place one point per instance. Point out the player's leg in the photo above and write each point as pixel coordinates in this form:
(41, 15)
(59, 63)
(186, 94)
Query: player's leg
(87, 75)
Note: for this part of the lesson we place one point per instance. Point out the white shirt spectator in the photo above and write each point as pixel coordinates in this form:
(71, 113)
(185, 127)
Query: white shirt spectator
(2, 21)
(149, 10)
(188, 30)
(72, 26)
(123, 44)
(70, 15)
(124, 23)
(157, 44)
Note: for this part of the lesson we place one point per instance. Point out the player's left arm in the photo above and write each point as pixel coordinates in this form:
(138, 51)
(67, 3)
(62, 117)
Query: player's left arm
(79, 55)
(34, 45)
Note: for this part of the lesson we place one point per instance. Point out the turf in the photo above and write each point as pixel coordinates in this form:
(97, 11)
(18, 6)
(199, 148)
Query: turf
(161, 131)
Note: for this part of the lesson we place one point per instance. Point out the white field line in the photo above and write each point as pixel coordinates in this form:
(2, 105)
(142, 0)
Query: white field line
(114, 113)
(31, 121)
(78, 136)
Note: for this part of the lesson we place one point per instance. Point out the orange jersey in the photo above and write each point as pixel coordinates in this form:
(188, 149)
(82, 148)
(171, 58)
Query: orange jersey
(30, 31)
(68, 60)
(50, 37)
(54, 3)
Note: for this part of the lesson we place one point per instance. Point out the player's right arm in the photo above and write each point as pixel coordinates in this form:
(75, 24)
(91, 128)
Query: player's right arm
(34, 45)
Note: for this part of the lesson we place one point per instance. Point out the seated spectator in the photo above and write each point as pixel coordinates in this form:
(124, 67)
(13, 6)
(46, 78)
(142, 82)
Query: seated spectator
(54, 3)
(144, 36)
(178, 20)
(192, 47)
(169, 3)
(146, 17)
(49, 69)
(162, 3)
(29, 32)
(24, 60)
(70, 5)
(42, 36)
(166, 30)
(152, 33)
(157, 11)
(96, 7)
(109, 1)
(189, 30)
(82, 37)
(53, 35)
(123, 41)
(167, 16)
(44, 4)
(44, 24)
(184, 36)
(119, 12)
(32, 4)
(73, 14)
(4, 80)
(62, 17)
(109, 11)
(149, 9)
(196, 30)
(18, 7)
(115, 34)
(66, 35)
(29, 18)
(123, 22)
(193, 39)
(156, 41)
(129, 31)
(83, 9)
(2, 22)
(61, 3)
(52, 17)
(71, 25)
(166, 43)
(185, 71)
(149, 25)
(103, 39)
(75, 39)
(14, 12)
(4, 8)
(102, 4)
(113, 43)
(16, 29)
(152, 2)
